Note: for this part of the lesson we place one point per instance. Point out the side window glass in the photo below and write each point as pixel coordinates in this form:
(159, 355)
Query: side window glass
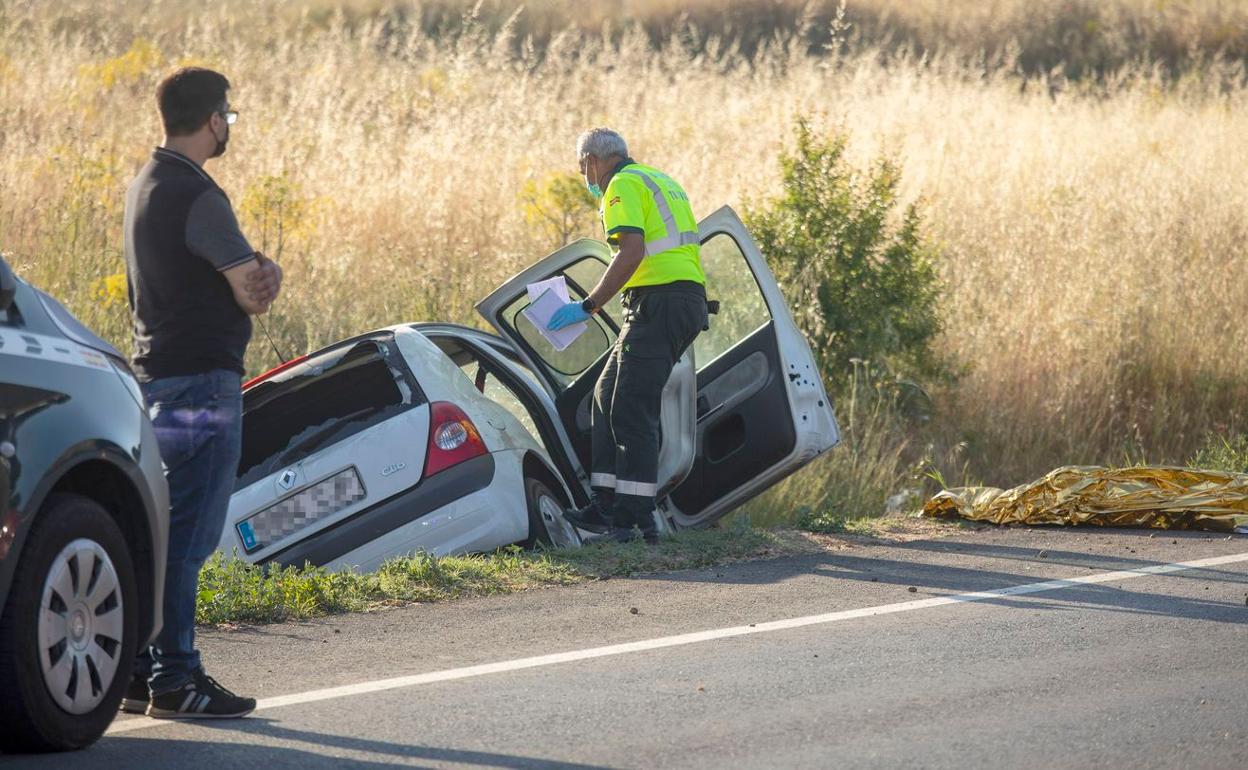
(591, 345)
(742, 307)
(493, 389)
(488, 383)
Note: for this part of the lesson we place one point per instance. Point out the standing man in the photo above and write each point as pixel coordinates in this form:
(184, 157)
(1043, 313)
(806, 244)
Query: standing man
(193, 281)
(648, 220)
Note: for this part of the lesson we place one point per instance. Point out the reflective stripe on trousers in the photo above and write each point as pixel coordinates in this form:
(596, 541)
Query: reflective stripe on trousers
(637, 488)
(675, 237)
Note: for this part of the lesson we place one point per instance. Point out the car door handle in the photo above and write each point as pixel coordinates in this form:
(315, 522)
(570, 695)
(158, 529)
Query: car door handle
(704, 415)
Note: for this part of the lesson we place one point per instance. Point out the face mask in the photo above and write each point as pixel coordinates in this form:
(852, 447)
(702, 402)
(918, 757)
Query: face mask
(221, 143)
(593, 188)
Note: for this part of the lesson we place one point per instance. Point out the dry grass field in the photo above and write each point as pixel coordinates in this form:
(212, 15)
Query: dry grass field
(1091, 230)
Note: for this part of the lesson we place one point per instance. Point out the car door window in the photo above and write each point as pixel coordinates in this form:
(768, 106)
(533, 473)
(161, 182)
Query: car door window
(586, 274)
(597, 339)
(497, 391)
(742, 307)
(485, 377)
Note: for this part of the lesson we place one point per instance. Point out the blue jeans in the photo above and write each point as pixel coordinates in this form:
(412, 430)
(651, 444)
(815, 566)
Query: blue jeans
(198, 421)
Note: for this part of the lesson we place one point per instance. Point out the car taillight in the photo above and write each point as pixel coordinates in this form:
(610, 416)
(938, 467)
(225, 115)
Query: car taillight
(452, 438)
(275, 370)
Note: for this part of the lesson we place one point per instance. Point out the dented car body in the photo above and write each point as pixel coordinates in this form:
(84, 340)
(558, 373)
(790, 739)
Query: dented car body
(446, 439)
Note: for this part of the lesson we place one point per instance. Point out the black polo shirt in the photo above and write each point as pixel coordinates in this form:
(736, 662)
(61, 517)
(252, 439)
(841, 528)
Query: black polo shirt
(180, 235)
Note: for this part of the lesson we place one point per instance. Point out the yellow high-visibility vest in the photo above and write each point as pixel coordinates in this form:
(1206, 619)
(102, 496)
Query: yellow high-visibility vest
(644, 200)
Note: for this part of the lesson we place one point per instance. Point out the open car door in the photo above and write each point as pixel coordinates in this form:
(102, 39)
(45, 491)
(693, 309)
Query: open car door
(762, 409)
(569, 375)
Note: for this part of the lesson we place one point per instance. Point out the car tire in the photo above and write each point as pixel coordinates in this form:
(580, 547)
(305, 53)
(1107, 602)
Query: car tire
(69, 533)
(546, 523)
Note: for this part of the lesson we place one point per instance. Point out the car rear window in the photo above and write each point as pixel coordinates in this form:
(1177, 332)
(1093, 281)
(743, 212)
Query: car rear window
(332, 396)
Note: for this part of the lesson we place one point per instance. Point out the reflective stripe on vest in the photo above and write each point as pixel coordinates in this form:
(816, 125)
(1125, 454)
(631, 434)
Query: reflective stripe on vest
(675, 237)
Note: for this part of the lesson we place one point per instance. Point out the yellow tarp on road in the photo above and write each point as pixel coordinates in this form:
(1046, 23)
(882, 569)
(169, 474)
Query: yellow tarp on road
(1157, 497)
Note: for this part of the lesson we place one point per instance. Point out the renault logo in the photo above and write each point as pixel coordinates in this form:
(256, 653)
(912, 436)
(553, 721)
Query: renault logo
(287, 479)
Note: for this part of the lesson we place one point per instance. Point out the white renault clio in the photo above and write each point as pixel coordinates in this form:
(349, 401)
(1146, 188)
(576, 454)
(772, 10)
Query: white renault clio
(445, 439)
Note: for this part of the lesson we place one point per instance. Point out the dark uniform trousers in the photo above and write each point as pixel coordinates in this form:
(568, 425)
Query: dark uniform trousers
(660, 323)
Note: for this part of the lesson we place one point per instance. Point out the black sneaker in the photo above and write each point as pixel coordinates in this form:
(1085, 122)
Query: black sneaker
(200, 698)
(590, 518)
(137, 696)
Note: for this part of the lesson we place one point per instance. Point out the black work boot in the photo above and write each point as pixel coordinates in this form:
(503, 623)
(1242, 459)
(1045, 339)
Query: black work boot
(592, 518)
(633, 518)
(629, 534)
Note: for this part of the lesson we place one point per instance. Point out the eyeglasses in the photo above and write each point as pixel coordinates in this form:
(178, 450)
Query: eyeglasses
(229, 115)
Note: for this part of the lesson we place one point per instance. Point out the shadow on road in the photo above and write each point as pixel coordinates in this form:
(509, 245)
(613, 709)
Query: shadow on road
(1086, 560)
(237, 748)
(944, 578)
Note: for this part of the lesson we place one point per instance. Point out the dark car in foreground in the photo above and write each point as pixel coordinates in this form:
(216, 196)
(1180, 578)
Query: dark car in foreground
(83, 525)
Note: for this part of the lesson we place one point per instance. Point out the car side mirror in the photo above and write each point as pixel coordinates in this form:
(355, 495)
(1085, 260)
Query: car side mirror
(8, 285)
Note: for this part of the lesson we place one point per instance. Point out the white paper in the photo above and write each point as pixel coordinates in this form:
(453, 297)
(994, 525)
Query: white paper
(543, 308)
(557, 284)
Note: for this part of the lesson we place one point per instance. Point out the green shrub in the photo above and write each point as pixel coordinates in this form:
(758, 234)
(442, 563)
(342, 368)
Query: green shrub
(860, 278)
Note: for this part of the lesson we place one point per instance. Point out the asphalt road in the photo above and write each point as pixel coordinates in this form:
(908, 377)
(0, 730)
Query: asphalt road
(1131, 669)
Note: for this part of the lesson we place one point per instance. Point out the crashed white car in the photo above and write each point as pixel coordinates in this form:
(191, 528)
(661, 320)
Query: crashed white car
(445, 439)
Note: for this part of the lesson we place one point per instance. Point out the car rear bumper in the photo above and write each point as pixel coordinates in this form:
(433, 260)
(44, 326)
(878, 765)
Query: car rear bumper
(383, 518)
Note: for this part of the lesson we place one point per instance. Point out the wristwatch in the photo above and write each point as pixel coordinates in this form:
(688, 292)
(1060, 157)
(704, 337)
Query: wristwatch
(588, 306)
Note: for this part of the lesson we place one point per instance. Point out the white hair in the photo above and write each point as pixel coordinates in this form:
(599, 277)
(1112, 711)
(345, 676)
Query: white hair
(600, 142)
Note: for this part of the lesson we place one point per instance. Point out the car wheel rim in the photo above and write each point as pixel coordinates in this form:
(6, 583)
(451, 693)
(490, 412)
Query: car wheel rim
(562, 533)
(80, 626)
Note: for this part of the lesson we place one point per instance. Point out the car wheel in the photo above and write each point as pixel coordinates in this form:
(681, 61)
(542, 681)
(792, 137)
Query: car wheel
(69, 630)
(546, 523)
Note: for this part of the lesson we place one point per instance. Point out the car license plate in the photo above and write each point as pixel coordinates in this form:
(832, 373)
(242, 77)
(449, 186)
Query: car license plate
(301, 510)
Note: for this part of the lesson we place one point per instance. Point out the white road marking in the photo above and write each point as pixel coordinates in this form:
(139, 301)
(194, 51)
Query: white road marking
(662, 642)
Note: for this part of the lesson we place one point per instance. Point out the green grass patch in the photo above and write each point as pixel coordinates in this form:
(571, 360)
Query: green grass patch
(232, 591)
(686, 550)
(828, 523)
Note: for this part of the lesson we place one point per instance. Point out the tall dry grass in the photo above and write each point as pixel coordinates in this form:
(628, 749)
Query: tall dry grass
(1074, 38)
(1092, 235)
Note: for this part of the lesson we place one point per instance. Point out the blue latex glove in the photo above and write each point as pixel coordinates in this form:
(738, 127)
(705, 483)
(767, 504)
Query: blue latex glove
(567, 315)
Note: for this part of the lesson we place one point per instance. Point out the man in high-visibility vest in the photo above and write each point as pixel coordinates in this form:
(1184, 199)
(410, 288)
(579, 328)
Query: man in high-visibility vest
(650, 224)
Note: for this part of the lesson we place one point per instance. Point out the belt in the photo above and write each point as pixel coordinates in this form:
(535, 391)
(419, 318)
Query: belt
(675, 287)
